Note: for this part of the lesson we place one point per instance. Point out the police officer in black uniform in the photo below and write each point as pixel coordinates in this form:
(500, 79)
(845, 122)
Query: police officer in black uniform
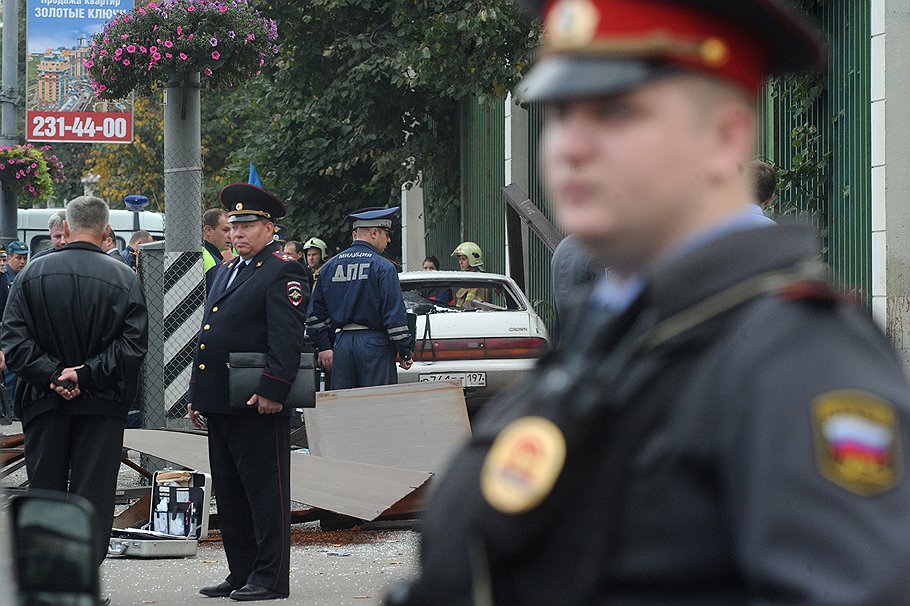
(720, 427)
(256, 304)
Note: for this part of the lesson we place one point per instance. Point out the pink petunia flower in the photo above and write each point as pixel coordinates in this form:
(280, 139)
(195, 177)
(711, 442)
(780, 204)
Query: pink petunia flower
(168, 44)
(126, 62)
(207, 72)
(183, 56)
(216, 55)
(131, 48)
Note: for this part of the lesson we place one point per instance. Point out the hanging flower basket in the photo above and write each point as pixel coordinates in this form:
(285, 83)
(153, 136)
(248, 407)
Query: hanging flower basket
(227, 41)
(31, 172)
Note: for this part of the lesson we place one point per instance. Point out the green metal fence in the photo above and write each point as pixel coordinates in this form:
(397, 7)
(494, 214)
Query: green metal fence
(832, 131)
(835, 135)
(483, 207)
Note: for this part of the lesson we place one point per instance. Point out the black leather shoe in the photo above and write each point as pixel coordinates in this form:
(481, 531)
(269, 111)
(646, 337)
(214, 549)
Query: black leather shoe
(221, 590)
(253, 593)
(104, 600)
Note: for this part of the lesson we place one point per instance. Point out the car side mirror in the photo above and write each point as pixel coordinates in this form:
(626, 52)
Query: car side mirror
(54, 549)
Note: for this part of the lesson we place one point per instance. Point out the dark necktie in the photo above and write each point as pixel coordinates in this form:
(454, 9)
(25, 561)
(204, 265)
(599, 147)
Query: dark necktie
(242, 264)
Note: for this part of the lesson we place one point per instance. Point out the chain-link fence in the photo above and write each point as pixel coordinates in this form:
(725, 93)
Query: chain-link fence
(172, 277)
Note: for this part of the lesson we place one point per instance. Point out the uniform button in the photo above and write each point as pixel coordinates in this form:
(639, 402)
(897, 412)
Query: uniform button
(214, 309)
(206, 327)
(202, 347)
(202, 367)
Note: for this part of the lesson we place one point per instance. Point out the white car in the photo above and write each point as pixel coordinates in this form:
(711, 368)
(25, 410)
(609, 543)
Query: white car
(486, 343)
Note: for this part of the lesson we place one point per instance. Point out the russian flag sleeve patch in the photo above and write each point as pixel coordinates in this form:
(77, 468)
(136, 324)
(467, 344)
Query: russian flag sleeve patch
(857, 441)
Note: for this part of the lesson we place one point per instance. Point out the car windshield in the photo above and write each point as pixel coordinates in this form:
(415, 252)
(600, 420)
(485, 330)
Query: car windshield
(459, 295)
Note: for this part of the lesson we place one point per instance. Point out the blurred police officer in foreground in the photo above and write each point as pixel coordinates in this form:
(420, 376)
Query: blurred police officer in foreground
(359, 294)
(729, 432)
(256, 304)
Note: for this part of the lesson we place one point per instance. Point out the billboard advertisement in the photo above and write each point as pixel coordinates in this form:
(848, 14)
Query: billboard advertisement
(60, 104)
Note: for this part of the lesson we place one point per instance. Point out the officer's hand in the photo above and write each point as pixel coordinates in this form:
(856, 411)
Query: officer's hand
(325, 359)
(196, 418)
(265, 406)
(405, 364)
(67, 384)
(2, 360)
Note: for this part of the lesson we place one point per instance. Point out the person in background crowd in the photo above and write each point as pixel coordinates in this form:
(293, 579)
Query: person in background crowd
(294, 250)
(361, 296)
(257, 304)
(18, 257)
(470, 258)
(78, 354)
(574, 274)
(216, 231)
(765, 183)
(131, 252)
(109, 244)
(4, 280)
(316, 255)
(442, 296)
(55, 230)
(734, 431)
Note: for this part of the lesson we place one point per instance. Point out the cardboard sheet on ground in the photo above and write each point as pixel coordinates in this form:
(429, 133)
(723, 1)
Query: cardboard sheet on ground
(353, 489)
(346, 487)
(412, 425)
(370, 447)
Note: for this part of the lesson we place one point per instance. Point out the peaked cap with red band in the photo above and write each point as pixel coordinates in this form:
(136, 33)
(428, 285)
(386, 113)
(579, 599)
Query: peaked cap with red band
(244, 202)
(601, 47)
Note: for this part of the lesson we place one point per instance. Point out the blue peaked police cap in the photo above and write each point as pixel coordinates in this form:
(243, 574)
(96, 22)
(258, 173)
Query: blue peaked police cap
(373, 217)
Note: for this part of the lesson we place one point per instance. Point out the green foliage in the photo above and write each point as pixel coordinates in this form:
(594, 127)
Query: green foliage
(228, 42)
(802, 181)
(137, 168)
(364, 98)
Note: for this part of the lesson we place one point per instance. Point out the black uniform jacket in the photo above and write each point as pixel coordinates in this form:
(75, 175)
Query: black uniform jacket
(262, 311)
(76, 306)
(700, 465)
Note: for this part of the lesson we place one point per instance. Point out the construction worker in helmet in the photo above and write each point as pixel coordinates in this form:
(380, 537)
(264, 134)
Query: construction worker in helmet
(316, 253)
(470, 258)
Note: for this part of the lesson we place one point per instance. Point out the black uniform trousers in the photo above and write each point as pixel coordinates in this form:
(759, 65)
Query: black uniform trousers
(250, 458)
(78, 454)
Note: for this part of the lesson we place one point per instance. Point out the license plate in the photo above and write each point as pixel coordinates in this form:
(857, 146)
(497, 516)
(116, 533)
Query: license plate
(468, 379)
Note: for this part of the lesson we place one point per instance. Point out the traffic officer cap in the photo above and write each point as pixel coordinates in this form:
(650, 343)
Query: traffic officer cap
(3, 254)
(17, 247)
(373, 217)
(602, 47)
(244, 202)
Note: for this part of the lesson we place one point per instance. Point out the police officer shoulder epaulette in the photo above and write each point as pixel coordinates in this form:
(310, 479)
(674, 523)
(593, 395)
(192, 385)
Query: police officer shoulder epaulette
(819, 291)
(282, 255)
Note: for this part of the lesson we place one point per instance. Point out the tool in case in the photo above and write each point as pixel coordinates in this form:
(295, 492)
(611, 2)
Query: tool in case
(179, 517)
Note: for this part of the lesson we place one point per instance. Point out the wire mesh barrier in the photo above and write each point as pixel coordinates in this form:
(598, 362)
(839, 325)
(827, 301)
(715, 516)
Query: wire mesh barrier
(175, 292)
(174, 283)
